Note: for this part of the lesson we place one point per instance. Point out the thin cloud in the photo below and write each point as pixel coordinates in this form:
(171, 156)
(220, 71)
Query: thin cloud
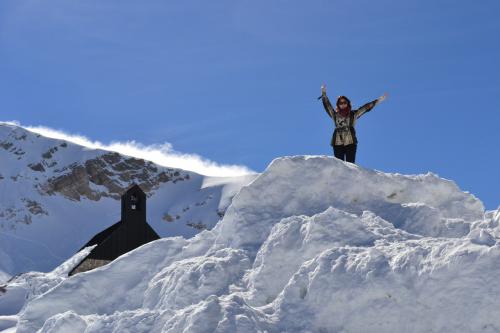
(161, 154)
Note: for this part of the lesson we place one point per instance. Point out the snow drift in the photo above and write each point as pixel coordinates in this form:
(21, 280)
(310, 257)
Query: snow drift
(311, 245)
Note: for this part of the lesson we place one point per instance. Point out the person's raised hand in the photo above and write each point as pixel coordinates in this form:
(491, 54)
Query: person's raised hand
(323, 88)
(383, 97)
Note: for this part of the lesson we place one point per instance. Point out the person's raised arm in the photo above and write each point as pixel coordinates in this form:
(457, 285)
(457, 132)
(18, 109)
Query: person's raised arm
(326, 102)
(368, 106)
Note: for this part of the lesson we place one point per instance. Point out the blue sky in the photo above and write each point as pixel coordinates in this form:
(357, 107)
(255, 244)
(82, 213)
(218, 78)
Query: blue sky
(236, 81)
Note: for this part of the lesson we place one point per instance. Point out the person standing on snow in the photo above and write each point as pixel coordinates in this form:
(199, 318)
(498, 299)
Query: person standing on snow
(344, 141)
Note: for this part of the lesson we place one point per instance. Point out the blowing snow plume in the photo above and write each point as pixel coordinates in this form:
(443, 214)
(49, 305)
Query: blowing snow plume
(161, 154)
(311, 245)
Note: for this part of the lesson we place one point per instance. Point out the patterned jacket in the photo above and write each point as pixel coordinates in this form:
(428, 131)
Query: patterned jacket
(344, 133)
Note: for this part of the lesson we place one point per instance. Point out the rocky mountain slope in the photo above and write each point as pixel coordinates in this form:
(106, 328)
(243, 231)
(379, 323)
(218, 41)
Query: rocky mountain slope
(55, 195)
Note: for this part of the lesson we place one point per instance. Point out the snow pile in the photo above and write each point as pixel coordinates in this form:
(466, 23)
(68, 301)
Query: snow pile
(312, 245)
(28, 286)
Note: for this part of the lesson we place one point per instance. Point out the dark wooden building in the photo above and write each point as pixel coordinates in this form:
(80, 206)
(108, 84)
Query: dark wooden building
(129, 233)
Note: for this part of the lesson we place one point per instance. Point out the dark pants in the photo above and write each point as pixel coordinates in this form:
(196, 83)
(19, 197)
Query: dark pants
(345, 153)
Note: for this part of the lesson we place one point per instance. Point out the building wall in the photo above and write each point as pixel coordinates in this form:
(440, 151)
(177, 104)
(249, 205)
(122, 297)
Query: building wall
(88, 264)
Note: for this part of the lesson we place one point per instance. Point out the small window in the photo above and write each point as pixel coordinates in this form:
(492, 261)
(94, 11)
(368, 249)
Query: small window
(134, 202)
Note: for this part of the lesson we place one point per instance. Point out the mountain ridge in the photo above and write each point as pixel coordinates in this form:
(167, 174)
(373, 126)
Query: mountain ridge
(48, 186)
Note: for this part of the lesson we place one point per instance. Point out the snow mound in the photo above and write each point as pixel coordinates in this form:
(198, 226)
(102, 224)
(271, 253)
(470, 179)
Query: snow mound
(312, 245)
(425, 204)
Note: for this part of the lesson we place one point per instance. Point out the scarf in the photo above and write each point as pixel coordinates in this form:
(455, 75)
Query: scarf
(345, 112)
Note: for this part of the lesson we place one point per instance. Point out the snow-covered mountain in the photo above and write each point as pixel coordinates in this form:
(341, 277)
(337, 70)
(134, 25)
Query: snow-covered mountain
(313, 244)
(55, 195)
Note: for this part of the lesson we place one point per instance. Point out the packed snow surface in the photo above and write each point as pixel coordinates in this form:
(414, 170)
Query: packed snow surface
(313, 244)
